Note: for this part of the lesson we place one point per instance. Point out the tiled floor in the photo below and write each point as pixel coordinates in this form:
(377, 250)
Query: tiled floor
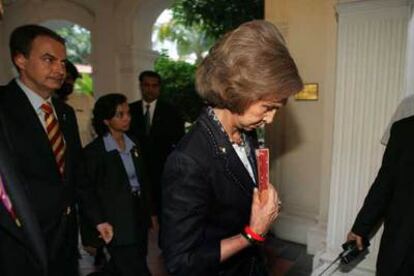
(288, 259)
(285, 259)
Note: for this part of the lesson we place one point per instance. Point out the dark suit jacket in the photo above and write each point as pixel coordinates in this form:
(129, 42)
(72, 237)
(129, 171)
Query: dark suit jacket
(207, 196)
(49, 193)
(107, 175)
(391, 200)
(27, 237)
(166, 130)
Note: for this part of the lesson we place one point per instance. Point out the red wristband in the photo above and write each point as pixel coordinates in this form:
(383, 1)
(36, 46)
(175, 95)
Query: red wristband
(253, 234)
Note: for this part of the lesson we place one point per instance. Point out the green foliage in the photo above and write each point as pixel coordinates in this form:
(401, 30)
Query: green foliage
(78, 49)
(78, 43)
(178, 86)
(195, 26)
(84, 85)
(189, 39)
(217, 16)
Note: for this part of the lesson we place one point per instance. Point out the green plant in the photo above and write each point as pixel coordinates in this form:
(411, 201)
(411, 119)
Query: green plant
(78, 43)
(178, 86)
(216, 17)
(189, 39)
(84, 85)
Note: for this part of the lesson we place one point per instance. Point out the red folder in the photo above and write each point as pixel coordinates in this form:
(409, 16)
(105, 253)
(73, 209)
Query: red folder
(262, 157)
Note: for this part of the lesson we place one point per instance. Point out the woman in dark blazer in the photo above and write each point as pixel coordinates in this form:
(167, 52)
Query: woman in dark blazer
(116, 173)
(213, 217)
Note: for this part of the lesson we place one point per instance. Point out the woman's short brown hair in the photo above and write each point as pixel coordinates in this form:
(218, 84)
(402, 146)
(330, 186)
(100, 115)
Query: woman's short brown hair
(247, 64)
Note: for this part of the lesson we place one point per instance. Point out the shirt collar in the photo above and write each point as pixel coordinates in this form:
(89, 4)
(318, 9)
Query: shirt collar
(110, 143)
(151, 104)
(35, 100)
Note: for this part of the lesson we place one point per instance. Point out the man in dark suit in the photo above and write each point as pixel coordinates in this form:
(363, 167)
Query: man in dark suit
(157, 126)
(391, 200)
(19, 227)
(43, 137)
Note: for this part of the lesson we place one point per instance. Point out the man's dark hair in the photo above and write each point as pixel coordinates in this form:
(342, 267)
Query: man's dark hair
(21, 39)
(149, 74)
(105, 109)
(71, 70)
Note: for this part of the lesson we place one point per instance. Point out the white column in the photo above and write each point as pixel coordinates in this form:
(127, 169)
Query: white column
(132, 61)
(371, 62)
(410, 59)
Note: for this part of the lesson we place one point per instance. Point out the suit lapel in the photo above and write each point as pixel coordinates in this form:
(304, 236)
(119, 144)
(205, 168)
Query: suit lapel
(136, 158)
(225, 152)
(157, 114)
(137, 120)
(235, 168)
(140, 112)
(62, 117)
(118, 165)
(27, 121)
(28, 232)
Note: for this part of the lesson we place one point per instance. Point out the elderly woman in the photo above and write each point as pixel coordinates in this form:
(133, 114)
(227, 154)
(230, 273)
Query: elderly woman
(117, 176)
(213, 216)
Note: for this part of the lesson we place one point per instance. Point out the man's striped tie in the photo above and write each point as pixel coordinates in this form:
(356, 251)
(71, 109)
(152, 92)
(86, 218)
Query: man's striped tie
(55, 136)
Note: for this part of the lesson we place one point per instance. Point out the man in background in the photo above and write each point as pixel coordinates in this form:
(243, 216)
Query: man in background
(158, 127)
(82, 103)
(19, 227)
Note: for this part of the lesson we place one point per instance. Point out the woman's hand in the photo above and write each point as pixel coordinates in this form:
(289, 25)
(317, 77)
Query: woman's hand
(265, 209)
(106, 232)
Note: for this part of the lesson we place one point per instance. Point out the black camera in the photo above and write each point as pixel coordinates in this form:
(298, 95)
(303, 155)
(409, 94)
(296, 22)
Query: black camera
(351, 251)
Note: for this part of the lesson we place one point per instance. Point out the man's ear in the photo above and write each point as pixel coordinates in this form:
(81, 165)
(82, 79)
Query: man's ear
(20, 61)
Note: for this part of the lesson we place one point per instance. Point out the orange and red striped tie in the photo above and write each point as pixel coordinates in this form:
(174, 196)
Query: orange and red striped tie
(55, 136)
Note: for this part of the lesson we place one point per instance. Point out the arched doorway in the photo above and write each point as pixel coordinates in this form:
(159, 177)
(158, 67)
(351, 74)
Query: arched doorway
(79, 50)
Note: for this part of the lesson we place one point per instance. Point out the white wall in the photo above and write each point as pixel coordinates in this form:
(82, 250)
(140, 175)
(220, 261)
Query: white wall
(317, 191)
(410, 59)
(371, 70)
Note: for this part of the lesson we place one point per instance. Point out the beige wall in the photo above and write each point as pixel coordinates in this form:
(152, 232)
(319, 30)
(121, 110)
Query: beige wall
(302, 137)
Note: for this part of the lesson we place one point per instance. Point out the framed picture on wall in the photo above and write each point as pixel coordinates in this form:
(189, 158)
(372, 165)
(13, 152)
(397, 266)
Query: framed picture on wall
(310, 92)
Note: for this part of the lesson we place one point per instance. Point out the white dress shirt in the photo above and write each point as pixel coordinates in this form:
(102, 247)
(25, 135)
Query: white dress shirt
(36, 101)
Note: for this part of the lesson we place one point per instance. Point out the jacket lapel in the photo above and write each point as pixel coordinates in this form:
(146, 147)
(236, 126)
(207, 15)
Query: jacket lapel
(225, 152)
(137, 165)
(28, 231)
(62, 117)
(157, 115)
(27, 121)
(140, 114)
(116, 160)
